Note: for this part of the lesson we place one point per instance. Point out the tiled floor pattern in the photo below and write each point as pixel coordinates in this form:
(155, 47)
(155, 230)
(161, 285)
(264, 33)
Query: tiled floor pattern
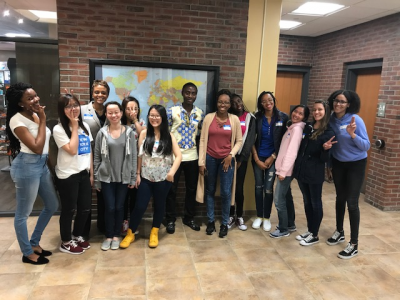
(192, 265)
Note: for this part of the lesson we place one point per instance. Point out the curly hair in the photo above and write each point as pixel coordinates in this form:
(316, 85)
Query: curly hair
(351, 96)
(14, 95)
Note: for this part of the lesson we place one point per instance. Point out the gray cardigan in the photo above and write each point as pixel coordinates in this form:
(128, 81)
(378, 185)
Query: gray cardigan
(102, 166)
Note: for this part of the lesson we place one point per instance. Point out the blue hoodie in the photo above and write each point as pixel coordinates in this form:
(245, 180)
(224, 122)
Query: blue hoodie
(347, 149)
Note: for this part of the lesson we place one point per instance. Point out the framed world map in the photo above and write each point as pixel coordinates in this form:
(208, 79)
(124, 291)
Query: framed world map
(156, 83)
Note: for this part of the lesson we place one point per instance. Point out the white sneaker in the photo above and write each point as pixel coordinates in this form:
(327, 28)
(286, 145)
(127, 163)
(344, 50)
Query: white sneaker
(301, 237)
(240, 224)
(267, 225)
(231, 222)
(257, 223)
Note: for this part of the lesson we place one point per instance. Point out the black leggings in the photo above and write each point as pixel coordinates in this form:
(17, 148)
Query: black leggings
(348, 178)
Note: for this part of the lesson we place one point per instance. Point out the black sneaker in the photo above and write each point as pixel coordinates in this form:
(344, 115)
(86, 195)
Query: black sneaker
(210, 228)
(223, 231)
(336, 238)
(309, 240)
(349, 252)
(171, 227)
(231, 222)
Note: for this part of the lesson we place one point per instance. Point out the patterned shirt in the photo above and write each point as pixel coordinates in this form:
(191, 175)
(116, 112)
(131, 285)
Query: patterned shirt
(185, 128)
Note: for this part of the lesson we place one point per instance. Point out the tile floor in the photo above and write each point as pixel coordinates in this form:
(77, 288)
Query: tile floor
(192, 265)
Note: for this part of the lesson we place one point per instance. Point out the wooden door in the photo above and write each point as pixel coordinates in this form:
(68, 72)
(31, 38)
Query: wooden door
(367, 87)
(288, 90)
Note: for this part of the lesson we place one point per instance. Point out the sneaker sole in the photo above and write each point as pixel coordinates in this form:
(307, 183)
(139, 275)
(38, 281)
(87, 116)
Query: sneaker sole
(347, 257)
(308, 244)
(69, 252)
(300, 238)
(280, 236)
(335, 243)
(243, 229)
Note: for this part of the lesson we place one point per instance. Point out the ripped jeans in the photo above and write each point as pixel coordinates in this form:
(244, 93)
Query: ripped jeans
(264, 180)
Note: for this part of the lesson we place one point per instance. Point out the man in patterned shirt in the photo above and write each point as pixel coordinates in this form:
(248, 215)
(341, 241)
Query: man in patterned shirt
(184, 121)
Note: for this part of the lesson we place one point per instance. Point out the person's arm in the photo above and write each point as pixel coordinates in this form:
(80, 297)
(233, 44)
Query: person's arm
(91, 169)
(358, 133)
(139, 159)
(202, 150)
(97, 159)
(248, 143)
(36, 145)
(72, 147)
(133, 161)
(293, 148)
(178, 158)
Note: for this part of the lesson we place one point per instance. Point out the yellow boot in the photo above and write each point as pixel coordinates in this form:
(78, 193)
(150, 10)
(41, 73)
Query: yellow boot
(129, 238)
(153, 241)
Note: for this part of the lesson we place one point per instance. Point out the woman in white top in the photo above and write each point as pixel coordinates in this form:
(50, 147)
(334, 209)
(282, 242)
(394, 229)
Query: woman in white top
(29, 145)
(74, 172)
(155, 169)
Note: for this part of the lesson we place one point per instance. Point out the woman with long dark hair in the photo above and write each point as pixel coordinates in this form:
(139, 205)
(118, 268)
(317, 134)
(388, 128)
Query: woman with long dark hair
(221, 139)
(29, 144)
(74, 171)
(284, 169)
(115, 159)
(248, 128)
(131, 117)
(270, 127)
(155, 172)
(309, 169)
(349, 160)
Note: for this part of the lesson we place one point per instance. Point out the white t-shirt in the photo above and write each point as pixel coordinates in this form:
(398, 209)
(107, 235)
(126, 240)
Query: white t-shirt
(67, 164)
(19, 120)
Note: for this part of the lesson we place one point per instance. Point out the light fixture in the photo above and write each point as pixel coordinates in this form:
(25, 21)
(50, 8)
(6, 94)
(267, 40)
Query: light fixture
(41, 14)
(286, 25)
(317, 9)
(17, 35)
(6, 13)
(20, 21)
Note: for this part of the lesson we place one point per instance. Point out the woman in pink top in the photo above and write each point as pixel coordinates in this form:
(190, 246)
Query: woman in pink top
(284, 168)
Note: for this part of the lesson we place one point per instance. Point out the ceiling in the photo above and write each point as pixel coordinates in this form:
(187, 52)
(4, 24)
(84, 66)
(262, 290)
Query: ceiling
(358, 11)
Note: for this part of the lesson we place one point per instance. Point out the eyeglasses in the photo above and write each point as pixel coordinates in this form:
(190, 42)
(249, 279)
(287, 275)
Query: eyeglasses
(155, 117)
(341, 102)
(223, 103)
(69, 107)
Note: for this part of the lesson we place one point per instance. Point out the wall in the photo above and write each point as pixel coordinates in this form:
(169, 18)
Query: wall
(195, 32)
(376, 39)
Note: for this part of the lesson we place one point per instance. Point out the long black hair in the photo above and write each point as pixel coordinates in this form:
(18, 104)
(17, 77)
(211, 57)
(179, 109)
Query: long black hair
(260, 107)
(165, 144)
(306, 114)
(14, 95)
(124, 119)
(64, 121)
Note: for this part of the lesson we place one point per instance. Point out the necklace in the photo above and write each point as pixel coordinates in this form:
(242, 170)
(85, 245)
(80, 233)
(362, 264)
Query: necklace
(220, 123)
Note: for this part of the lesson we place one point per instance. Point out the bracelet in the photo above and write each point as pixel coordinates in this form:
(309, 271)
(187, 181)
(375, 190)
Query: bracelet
(273, 156)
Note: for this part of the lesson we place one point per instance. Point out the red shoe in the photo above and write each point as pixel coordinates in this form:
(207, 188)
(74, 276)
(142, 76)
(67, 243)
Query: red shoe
(71, 247)
(82, 243)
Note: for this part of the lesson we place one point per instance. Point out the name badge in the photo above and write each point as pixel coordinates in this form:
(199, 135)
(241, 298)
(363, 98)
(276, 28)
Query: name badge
(343, 127)
(84, 144)
(242, 123)
(195, 121)
(87, 116)
(279, 123)
(227, 127)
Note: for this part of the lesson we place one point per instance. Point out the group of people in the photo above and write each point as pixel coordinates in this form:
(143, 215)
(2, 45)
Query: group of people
(128, 160)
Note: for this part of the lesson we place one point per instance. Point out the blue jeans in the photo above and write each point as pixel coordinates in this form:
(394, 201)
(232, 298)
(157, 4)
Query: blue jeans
(114, 194)
(312, 196)
(32, 177)
(264, 180)
(214, 167)
(284, 204)
(159, 190)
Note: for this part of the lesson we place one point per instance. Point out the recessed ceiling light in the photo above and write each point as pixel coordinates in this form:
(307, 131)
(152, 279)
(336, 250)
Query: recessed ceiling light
(20, 21)
(6, 13)
(44, 14)
(17, 35)
(317, 9)
(288, 24)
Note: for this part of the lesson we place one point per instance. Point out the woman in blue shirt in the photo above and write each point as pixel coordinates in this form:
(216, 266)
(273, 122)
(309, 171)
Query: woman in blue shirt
(349, 160)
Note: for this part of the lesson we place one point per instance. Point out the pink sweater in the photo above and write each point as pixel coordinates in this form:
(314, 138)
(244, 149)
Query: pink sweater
(288, 150)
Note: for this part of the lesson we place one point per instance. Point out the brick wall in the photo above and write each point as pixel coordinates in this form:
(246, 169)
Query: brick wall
(195, 32)
(376, 39)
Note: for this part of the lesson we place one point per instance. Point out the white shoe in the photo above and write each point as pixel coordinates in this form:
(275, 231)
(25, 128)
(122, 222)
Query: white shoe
(240, 224)
(303, 236)
(267, 225)
(257, 223)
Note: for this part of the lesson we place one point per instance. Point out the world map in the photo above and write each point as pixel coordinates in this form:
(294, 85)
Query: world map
(153, 85)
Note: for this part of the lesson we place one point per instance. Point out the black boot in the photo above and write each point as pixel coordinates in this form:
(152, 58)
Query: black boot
(210, 228)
